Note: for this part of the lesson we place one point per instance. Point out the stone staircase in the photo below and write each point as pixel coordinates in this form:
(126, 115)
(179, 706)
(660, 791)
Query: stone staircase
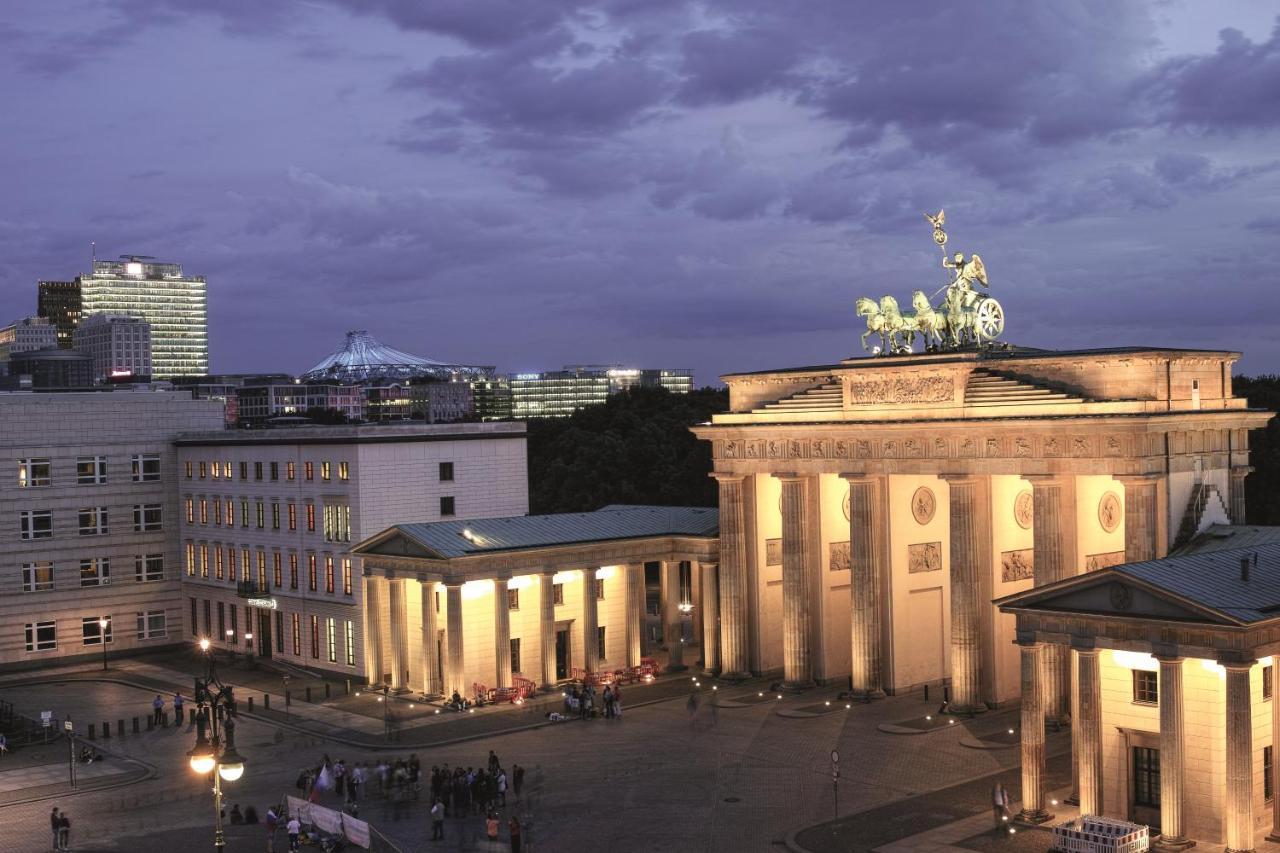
(988, 388)
(1206, 507)
(823, 398)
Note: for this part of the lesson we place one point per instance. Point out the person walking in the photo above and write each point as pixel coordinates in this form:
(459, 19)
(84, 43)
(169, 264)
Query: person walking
(999, 807)
(491, 826)
(273, 823)
(502, 787)
(157, 709)
(294, 828)
(692, 707)
(437, 820)
(513, 828)
(517, 779)
(64, 832)
(55, 824)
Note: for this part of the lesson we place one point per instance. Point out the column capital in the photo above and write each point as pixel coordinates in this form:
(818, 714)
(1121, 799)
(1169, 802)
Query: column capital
(548, 573)
(1237, 665)
(1030, 645)
(858, 476)
(960, 477)
(1047, 479)
(1171, 659)
(792, 476)
(1242, 471)
(1084, 646)
(727, 477)
(1137, 479)
(453, 583)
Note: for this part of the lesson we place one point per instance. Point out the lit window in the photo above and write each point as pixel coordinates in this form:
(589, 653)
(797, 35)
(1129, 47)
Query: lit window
(33, 473)
(328, 573)
(190, 506)
(187, 466)
(37, 524)
(148, 567)
(311, 517)
(293, 571)
(344, 472)
(37, 576)
(203, 467)
(324, 471)
(311, 571)
(513, 599)
(260, 514)
(346, 575)
(290, 469)
(93, 521)
(276, 570)
(204, 559)
(293, 517)
(275, 515)
(244, 513)
(226, 469)
(309, 468)
(217, 560)
(296, 634)
(331, 635)
(351, 642)
(315, 637)
(95, 571)
(557, 593)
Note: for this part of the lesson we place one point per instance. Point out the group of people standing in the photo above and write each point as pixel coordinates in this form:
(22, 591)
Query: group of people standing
(459, 793)
(399, 778)
(582, 702)
(61, 826)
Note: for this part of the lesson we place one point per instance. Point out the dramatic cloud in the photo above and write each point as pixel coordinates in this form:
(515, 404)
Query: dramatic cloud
(695, 184)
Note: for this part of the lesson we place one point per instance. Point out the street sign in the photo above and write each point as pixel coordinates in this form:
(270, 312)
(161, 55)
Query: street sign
(46, 718)
(67, 724)
(835, 756)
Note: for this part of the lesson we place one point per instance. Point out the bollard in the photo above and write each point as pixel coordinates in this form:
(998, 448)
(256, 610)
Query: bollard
(266, 702)
(151, 722)
(348, 686)
(92, 735)
(120, 727)
(164, 719)
(250, 704)
(326, 690)
(287, 694)
(106, 730)
(192, 718)
(926, 693)
(308, 694)
(135, 725)
(946, 693)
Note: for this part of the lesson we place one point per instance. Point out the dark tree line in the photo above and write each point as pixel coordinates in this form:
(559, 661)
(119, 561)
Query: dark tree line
(636, 448)
(1262, 489)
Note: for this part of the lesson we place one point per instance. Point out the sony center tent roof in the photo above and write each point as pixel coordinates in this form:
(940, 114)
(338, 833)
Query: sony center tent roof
(363, 357)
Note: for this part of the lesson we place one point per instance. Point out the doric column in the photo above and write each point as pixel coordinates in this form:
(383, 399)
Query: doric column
(1173, 769)
(501, 634)
(670, 605)
(969, 513)
(1239, 795)
(1055, 558)
(710, 618)
(696, 612)
(868, 537)
(733, 577)
(1087, 730)
(399, 635)
(635, 611)
(590, 622)
(547, 628)
(455, 677)
(1235, 493)
(1140, 523)
(430, 660)
(797, 570)
(373, 620)
(1032, 733)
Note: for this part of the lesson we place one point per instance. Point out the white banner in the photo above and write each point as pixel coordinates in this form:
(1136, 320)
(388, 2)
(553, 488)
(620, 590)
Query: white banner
(330, 821)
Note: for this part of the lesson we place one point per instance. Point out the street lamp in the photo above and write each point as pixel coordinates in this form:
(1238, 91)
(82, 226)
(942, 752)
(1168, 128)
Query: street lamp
(248, 645)
(231, 638)
(104, 623)
(215, 747)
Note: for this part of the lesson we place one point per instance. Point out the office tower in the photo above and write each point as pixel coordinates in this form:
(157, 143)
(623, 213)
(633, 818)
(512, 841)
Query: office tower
(558, 393)
(120, 346)
(59, 303)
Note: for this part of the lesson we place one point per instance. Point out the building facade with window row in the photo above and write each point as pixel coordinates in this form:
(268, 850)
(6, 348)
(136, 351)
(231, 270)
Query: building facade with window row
(88, 522)
(268, 519)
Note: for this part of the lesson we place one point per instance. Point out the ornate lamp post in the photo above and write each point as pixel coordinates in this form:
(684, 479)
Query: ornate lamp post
(215, 747)
(103, 624)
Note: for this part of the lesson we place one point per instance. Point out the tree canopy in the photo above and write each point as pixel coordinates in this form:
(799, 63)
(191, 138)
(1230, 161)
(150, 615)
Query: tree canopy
(636, 448)
(1262, 488)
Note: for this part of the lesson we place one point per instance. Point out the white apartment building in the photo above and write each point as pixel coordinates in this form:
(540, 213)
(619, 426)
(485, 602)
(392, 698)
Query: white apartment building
(88, 522)
(268, 518)
(25, 335)
(120, 345)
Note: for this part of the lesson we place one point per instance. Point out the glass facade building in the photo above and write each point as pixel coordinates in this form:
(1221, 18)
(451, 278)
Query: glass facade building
(175, 306)
(59, 303)
(558, 393)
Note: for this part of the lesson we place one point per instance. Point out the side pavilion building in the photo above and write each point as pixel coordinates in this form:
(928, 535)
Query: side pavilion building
(543, 596)
(871, 510)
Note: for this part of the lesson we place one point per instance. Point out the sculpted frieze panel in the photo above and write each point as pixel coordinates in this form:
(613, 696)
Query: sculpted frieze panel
(969, 447)
(1080, 446)
(862, 449)
(890, 449)
(773, 448)
(1115, 447)
(913, 448)
(842, 449)
(820, 448)
(1094, 562)
(902, 389)
(839, 558)
(1052, 446)
(1017, 565)
(797, 449)
(924, 557)
(1022, 446)
(941, 447)
(993, 447)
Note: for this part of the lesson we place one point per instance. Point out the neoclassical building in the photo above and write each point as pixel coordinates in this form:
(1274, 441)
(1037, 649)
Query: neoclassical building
(872, 510)
(451, 604)
(1172, 671)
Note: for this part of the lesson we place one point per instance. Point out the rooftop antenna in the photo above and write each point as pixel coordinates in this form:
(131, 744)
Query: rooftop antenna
(93, 248)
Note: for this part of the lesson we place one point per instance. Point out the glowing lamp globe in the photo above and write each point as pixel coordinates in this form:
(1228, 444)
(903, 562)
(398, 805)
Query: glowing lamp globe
(231, 772)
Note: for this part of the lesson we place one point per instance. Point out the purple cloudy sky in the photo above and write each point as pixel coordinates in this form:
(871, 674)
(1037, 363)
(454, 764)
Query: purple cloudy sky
(709, 184)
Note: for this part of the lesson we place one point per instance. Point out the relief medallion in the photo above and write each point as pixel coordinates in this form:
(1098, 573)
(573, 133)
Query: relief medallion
(1024, 509)
(1109, 512)
(923, 505)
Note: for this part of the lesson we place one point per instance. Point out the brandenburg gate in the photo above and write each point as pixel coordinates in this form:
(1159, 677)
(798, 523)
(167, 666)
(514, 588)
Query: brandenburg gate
(871, 510)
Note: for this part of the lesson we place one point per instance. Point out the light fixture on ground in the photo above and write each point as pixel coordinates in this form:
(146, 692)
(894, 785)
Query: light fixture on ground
(215, 747)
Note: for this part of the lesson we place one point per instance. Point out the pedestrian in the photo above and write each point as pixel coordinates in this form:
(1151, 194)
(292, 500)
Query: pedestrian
(517, 779)
(157, 709)
(502, 787)
(294, 827)
(493, 762)
(55, 824)
(617, 700)
(999, 807)
(64, 832)
(491, 826)
(178, 702)
(437, 820)
(513, 827)
(692, 707)
(273, 823)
